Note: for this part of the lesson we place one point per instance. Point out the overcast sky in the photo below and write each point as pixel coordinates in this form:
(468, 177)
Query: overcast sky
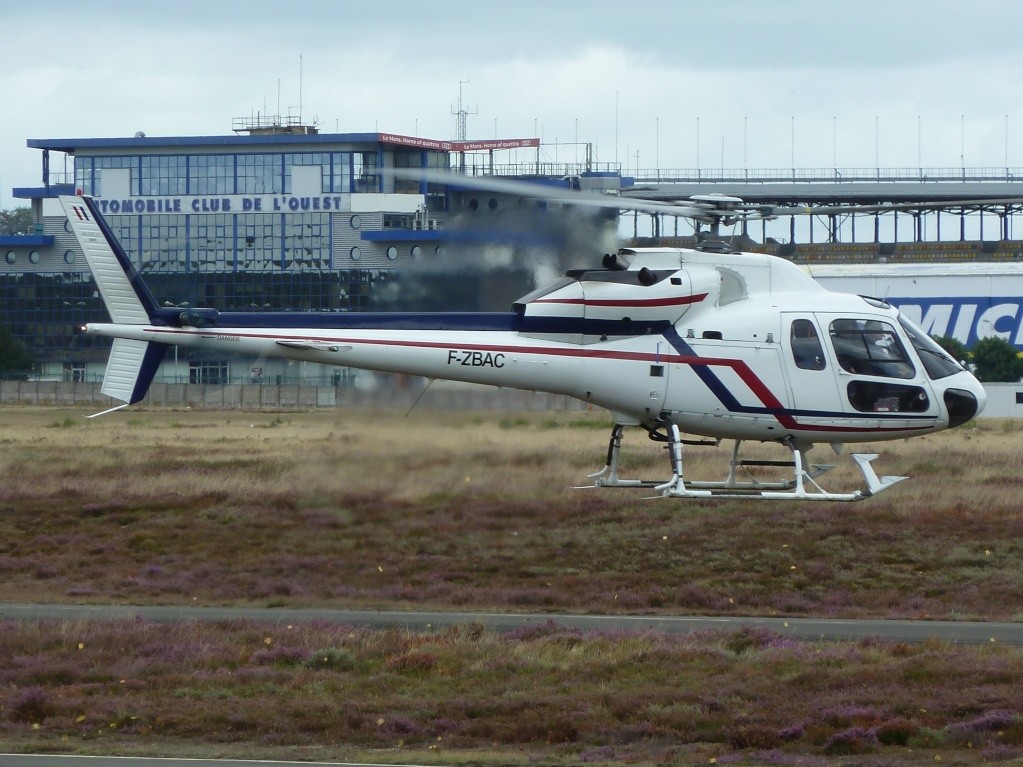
(734, 83)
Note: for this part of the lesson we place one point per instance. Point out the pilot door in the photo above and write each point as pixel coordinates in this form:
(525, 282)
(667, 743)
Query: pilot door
(811, 373)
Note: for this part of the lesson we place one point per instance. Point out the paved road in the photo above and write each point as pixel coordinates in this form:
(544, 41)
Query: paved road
(813, 629)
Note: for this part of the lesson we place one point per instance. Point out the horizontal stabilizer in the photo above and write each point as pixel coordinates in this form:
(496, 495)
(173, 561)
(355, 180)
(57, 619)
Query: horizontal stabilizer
(131, 369)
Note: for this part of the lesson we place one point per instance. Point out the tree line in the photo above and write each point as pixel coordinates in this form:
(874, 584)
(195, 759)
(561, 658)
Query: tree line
(992, 360)
(17, 221)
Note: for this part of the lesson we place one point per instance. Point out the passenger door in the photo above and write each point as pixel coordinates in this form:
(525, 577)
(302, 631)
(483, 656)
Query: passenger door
(810, 371)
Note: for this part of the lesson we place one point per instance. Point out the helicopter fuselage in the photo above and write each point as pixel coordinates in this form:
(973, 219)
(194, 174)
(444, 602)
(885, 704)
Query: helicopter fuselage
(735, 346)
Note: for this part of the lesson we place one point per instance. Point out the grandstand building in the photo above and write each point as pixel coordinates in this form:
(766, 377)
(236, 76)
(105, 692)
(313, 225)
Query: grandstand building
(274, 217)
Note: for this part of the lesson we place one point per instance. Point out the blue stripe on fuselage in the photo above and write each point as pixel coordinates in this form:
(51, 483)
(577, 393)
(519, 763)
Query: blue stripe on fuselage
(413, 321)
(705, 374)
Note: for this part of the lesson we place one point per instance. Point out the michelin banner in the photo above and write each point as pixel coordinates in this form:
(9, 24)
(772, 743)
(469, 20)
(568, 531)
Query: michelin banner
(966, 301)
(967, 319)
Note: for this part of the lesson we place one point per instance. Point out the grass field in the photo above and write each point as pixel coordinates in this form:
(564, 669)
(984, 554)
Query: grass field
(475, 511)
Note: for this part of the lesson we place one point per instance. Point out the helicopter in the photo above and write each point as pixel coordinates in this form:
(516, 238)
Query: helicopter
(694, 346)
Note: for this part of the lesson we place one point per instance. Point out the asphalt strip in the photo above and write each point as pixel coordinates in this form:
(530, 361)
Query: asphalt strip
(806, 629)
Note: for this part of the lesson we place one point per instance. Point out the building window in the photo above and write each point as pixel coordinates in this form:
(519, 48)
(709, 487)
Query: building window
(262, 235)
(207, 373)
(365, 171)
(33, 257)
(163, 175)
(407, 159)
(11, 256)
(260, 174)
(211, 174)
(307, 241)
(356, 254)
(212, 243)
(399, 221)
(163, 244)
(69, 256)
(340, 173)
(89, 179)
(318, 160)
(74, 372)
(392, 253)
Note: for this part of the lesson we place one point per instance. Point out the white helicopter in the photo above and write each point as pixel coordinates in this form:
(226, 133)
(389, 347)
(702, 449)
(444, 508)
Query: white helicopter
(709, 344)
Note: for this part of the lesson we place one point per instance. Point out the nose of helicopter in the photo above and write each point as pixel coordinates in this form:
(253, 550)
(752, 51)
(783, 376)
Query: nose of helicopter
(965, 403)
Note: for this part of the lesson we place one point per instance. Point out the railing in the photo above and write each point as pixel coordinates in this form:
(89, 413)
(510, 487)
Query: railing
(826, 175)
(550, 169)
(478, 166)
(60, 178)
(261, 122)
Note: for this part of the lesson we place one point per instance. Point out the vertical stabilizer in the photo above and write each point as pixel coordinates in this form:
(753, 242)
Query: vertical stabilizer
(125, 295)
(132, 364)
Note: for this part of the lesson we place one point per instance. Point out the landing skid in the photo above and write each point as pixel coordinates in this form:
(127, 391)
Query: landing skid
(802, 486)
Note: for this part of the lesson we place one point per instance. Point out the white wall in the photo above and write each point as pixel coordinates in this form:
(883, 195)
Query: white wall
(1002, 400)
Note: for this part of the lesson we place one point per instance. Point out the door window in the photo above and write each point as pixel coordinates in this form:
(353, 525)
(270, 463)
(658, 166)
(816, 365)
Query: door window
(806, 345)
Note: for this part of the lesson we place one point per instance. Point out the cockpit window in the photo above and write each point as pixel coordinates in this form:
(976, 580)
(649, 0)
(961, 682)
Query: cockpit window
(937, 362)
(806, 345)
(870, 347)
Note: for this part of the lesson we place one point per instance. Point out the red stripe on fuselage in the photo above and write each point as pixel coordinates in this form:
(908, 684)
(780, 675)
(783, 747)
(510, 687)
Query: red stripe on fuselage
(642, 302)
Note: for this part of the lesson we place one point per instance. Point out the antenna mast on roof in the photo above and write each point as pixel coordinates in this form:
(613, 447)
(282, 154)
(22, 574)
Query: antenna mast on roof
(460, 126)
(461, 114)
(268, 125)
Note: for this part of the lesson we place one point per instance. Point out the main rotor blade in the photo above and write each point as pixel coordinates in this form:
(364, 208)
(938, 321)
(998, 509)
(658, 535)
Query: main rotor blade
(707, 208)
(549, 192)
